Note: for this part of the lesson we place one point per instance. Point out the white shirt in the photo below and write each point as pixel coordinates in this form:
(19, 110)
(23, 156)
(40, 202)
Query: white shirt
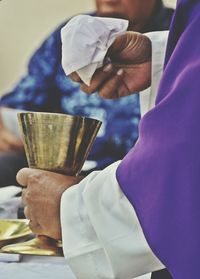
(102, 237)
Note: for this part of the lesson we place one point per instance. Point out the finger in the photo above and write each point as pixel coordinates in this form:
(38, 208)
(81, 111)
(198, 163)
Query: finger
(99, 77)
(27, 197)
(110, 89)
(35, 227)
(24, 196)
(117, 46)
(28, 214)
(75, 77)
(33, 224)
(129, 48)
(24, 174)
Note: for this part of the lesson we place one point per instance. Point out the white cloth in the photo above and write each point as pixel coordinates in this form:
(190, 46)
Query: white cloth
(105, 239)
(35, 271)
(85, 41)
(36, 267)
(9, 258)
(9, 205)
(159, 44)
(102, 237)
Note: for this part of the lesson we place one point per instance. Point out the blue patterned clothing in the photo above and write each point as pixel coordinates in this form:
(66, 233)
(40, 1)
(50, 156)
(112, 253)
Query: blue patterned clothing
(46, 88)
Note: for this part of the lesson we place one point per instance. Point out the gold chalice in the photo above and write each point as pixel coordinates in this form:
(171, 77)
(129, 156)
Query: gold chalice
(58, 143)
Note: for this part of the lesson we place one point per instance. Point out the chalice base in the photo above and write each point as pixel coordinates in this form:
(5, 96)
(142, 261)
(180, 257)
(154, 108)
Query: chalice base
(40, 246)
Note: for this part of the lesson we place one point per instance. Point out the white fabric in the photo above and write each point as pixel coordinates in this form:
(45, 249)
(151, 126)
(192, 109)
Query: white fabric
(102, 237)
(85, 41)
(37, 267)
(159, 44)
(35, 271)
(8, 209)
(39, 270)
(9, 258)
(8, 193)
(9, 205)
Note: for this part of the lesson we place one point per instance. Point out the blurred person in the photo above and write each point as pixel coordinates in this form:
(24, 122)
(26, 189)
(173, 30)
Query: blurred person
(143, 212)
(46, 88)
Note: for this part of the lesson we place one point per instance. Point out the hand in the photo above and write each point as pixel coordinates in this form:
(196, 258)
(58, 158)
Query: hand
(8, 141)
(42, 199)
(129, 70)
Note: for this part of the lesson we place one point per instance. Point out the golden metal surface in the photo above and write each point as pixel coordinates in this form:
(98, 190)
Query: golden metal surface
(13, 230)
(58, 143)
(41, 246)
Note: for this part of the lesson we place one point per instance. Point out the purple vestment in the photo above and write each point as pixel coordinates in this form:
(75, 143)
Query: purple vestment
(161, 175)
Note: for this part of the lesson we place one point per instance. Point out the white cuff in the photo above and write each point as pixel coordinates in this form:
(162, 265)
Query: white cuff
(159, 44)
(102, 237)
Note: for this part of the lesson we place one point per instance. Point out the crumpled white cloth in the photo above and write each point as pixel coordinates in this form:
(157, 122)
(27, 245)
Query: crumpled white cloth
(85, 41)
(9, 205)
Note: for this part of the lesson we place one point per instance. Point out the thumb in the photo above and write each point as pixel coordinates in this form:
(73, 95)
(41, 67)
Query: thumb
(24, 174)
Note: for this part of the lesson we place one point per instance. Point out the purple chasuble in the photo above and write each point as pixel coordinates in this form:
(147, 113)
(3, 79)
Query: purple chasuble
(161, 175)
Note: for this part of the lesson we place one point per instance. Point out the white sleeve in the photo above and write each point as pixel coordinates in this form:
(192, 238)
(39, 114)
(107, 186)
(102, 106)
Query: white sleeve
(159, 44)
(102, 237)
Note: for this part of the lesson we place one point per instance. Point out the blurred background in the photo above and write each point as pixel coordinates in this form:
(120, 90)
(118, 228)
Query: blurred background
(23, 26)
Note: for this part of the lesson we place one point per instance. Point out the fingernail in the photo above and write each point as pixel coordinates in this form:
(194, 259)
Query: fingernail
(107, 68)
(120, 72)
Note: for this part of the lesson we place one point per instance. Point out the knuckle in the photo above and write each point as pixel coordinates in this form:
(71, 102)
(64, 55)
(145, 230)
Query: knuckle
(27, 197)
(105, 94)
(23, 195)
(86, 89)
(35, 227)
(54, 233)
(75, 77)
(26, 212)
(34, 178)
(31, 226)
(123, 91)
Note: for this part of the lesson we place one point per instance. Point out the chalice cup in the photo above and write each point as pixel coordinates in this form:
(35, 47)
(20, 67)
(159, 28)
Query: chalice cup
(58, 143)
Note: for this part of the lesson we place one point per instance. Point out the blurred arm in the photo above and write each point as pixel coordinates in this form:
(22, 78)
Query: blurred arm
(9, 133)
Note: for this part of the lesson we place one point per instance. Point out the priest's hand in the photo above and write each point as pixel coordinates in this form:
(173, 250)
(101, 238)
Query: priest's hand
(41, 197)
(129, 70)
